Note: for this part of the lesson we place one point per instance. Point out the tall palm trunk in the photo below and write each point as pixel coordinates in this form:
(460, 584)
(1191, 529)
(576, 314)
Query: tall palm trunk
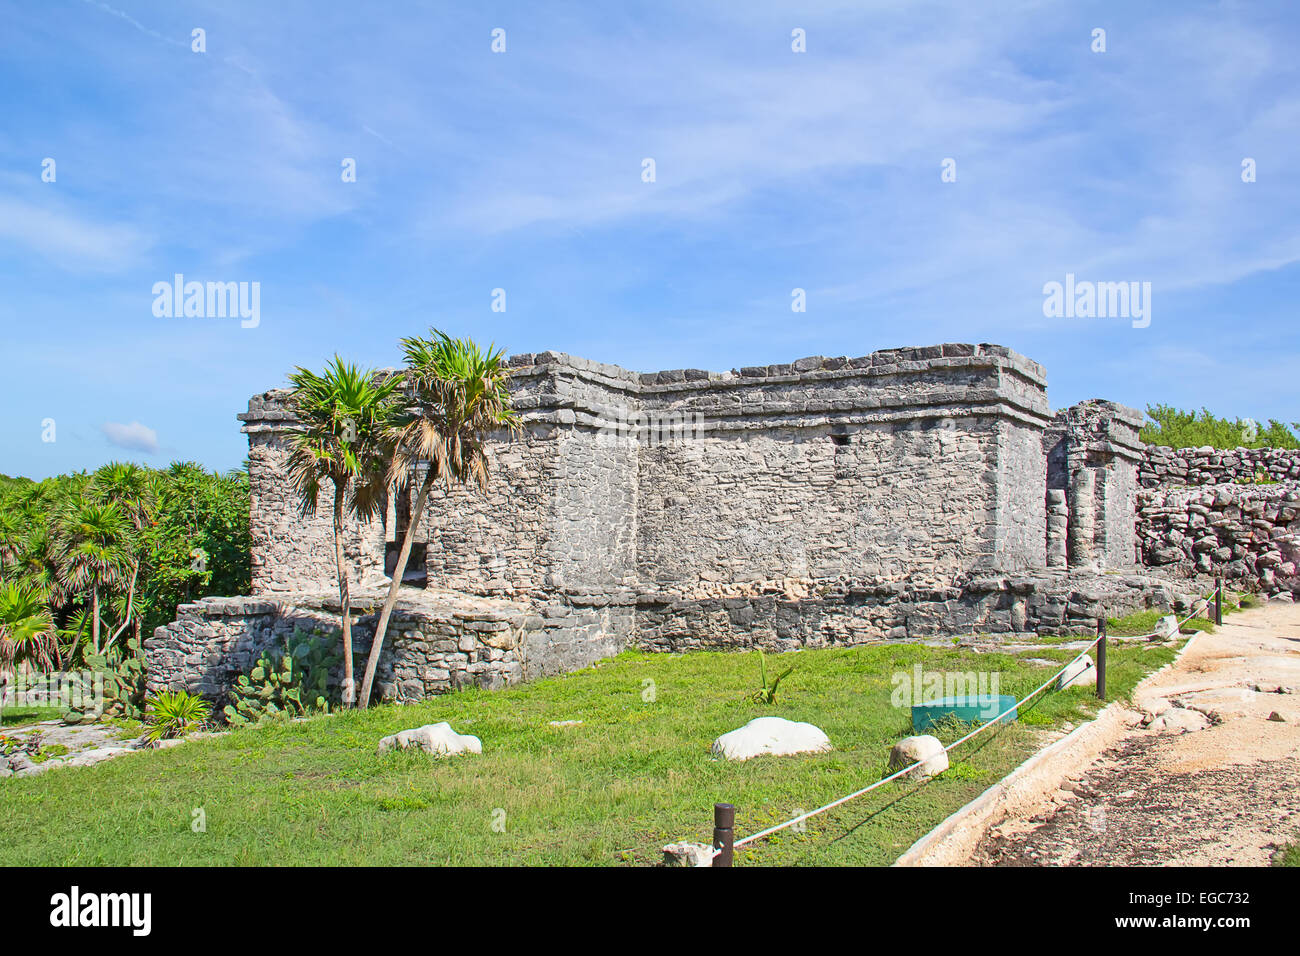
(94, 621)
(345, 599)
(381, 626)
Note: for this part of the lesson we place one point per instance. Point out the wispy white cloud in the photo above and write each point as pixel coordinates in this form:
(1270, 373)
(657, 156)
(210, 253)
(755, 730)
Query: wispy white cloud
(71, 241)
(134, 436)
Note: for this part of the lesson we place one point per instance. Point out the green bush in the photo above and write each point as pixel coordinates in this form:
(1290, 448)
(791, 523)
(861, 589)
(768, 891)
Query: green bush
(285, 683)
(1179, 429)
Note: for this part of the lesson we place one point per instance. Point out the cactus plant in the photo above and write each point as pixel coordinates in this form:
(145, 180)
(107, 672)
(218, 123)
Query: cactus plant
(285, 683)
(123, 670)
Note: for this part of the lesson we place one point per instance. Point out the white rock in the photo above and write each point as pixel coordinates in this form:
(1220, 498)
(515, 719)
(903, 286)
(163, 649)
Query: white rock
(1180, 719)
(1082, 673)
(437, 739)
(566, 723)
(771, 735)
(1166, 627)
(924, 748)
(376, 579)
(1156, 706)
(688, 854)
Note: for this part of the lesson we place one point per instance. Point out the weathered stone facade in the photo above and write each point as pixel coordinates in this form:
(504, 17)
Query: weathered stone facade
(1093, 453)
(905, 494)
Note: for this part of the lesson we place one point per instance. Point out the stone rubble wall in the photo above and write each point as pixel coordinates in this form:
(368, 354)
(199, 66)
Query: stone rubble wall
(913, 463)
(1246, 533)
(1164, 466)
(436, 643)
(903, 462)
(1093, 454)
(848, 612)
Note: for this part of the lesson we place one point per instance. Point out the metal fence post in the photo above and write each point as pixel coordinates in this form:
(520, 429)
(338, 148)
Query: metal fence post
(1218, 600)
(1101, 659)
(724, 822)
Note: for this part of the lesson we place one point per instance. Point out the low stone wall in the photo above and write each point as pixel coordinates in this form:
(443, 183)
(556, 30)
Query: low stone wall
(437, 641)
(1247, 533)
(851, 612)
(1164, 466)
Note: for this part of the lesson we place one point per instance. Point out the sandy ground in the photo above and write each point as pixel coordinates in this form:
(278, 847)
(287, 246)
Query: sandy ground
(1226, 794)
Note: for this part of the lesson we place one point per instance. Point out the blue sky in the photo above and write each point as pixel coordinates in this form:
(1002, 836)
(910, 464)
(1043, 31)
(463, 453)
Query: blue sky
(522, 170)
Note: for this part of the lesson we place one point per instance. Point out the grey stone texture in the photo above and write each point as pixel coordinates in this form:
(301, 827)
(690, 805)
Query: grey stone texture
(292, 552)
(437, 641)
(1165, 466)
(1246, 533)
(907, 463)
(1093, 455)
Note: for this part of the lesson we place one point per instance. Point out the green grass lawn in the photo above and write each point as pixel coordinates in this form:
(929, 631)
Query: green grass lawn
(18, 716)
(636, 774)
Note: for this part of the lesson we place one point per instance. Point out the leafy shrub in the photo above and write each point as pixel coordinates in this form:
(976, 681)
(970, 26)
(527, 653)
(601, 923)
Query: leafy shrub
(285, 683)
(1179, 429)
(175, 714)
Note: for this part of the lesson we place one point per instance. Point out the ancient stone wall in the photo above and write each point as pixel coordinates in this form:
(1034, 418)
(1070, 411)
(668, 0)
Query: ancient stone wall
(1093, 454)
(437, 642)
(847, 612)
(1247, 533)
(1164, 466)
(291, 552)
(904, 495)
(907, 463)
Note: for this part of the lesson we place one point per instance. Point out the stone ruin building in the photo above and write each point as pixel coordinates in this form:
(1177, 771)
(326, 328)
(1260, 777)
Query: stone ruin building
(909, 494)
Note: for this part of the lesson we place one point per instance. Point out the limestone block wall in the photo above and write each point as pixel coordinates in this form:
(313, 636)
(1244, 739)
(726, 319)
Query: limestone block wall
(436, 642)
(291, 552)
(497, 543)
(1092, 454)
(1163, 465)
(847, 612)
(1247, 533)
(892, 501)
(903, 462)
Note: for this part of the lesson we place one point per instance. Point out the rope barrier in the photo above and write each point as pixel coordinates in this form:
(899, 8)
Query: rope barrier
(717, 851)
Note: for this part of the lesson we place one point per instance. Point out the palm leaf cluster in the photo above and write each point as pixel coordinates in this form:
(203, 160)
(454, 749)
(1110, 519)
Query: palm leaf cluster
(370, 434)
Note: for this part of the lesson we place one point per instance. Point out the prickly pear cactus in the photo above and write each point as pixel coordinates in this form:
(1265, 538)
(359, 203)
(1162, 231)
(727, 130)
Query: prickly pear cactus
(285, 683)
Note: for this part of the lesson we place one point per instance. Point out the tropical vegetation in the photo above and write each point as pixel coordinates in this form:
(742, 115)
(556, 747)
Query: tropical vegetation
(90, 563)
(345, 419)
(1184, 429)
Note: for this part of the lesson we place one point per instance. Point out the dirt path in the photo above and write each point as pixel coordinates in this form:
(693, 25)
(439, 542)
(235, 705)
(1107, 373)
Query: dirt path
(1199, 776)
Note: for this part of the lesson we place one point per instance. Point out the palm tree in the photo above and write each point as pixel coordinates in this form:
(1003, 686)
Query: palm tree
(94, 553)
(135, 491)
(459, 395)
(38, 564)
(11, 537)
(345, 418)
(26, 628)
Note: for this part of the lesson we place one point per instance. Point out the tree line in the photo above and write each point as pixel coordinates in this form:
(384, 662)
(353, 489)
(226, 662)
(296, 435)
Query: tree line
(1189, 429)
(92, 562)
